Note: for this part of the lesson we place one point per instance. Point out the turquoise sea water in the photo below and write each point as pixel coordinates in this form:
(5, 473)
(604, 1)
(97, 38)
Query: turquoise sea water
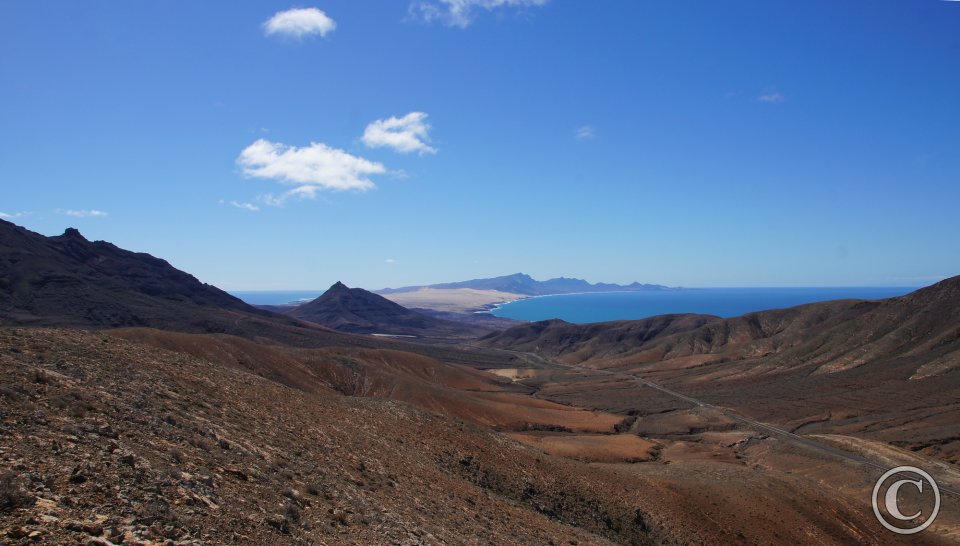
(724, 302)
(277, 297)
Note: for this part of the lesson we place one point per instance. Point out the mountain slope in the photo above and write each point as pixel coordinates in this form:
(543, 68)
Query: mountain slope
(358, 311)
(68, 280)
(831, 336)
(579, 342)
(108, 440)
(161, 446)
(828, 337)
(439, 386)
(520, 283)
(886, 370)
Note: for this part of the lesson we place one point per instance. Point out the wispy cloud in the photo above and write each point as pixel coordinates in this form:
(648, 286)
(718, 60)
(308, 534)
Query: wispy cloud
(13, 216)
(243, 206)
(407, 134)
(391, 261)
(299, 23)
(586, 132)
(308, 170)
(772, 98)
(83, 213)
(460, 13)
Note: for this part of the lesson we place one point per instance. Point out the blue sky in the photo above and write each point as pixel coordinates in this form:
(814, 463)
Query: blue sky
(694, 143)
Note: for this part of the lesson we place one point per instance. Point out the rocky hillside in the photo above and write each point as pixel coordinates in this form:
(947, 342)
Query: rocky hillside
(69, 281)
(887, 370)
(107, 440)
(923, 326)
(579, 342)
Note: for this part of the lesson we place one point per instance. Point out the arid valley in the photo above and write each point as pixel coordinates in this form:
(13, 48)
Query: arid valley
(140, 424)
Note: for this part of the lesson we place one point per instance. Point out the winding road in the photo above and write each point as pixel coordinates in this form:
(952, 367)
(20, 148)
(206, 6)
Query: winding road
(764, 427)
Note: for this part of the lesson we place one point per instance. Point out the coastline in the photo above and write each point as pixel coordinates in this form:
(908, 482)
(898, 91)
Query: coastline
(494, 306)
(722, 302)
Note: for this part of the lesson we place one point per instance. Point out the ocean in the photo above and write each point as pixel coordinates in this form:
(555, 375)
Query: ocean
(724, 302)
(277, 297)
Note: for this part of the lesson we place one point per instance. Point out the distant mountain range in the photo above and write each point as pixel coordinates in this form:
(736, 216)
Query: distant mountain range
(521, 283)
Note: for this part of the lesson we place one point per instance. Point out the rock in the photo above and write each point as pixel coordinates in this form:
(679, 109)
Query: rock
(45, 504)
(78, 475)
(107, 431)
(90, 528)
(237, 473)
(279, 523)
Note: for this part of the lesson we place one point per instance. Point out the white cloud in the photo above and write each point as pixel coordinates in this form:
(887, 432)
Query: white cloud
(13, 216)
(299, 22)
(460, 13)
(391, 261)
(245, 206)
(83, 213)
(586, 132)
(772, 98)
(309, 169)
(404, 135)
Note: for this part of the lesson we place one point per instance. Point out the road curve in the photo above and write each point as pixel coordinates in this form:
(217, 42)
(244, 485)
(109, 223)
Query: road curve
(764, 427)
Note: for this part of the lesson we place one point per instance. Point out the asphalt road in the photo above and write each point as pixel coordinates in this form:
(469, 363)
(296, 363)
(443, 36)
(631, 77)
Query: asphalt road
(764, 427)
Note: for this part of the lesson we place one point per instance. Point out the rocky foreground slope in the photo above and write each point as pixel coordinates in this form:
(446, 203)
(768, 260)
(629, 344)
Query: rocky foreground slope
(106, 440)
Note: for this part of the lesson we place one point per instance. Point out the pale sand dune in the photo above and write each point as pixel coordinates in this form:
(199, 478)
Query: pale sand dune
(453, 300)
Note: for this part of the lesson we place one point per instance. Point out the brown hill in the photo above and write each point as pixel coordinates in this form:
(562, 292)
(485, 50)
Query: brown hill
(435, 382)
(579, 342)
(108, 441)
(831, 336)
(358, 311)
(922, 328)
